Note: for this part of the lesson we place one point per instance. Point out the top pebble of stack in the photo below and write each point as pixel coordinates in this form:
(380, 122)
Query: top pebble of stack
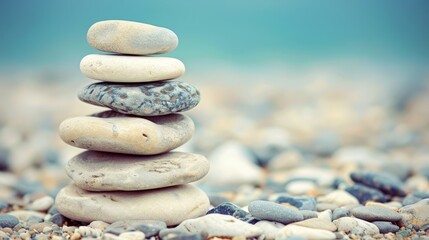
(132, 38)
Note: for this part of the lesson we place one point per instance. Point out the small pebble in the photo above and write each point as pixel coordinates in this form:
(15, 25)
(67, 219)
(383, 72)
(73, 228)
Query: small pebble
(8, 221)
(386, 227)
(340, 212)
(304, 232)
(220, 225)
(42, 204)
(271, 211)
(364, 193)
(376, 213)
(384, 182)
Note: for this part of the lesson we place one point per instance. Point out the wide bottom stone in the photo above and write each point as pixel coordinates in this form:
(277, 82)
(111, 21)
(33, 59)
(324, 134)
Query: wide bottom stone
(171, 205)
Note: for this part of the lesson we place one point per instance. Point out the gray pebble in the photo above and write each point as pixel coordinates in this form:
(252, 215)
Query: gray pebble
(7, 220)
(340, 212)
(271, 211)
(384, 182)
(364, 193)
(376, 213)
(174, 234)
(386, 227)
(58, 219)
(34, 219)
(149, 99)
(308, 214)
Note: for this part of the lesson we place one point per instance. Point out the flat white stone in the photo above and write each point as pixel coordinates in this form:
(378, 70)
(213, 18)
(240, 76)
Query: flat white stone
(101, 171)
(114, 132)
(304, 232)
(117, 68)
(171, 205)
(220, 225)
(128, 37)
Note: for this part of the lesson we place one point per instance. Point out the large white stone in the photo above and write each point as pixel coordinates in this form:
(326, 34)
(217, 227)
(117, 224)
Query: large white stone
(171, 205)
(114, 132)
(128, 37)
(220, 225)
(114, 68)
(101, 171)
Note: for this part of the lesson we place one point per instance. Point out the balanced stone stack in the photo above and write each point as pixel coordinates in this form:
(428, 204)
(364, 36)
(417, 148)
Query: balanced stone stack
(129, 171)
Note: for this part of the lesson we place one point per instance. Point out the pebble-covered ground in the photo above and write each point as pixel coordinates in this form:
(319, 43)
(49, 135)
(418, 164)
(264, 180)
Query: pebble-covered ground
(322, 160)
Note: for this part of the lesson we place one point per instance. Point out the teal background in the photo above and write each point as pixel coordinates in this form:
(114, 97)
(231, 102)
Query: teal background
(51, 34)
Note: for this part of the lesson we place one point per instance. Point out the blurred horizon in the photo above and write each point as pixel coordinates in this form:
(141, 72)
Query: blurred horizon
(389, 37)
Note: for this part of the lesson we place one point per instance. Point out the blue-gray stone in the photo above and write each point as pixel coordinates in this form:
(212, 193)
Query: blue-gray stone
(23, 187)
(58, 219)
(386, 227)
(148, 227)
(376, 213)
(3, 205)
(385, 182)
(142, 99)
(308, 214)
(231, 209)
(421, 195)
(34, 219)
(410, 199)
(364, 193)
(404, 233)
(174, 234)
(302, 203)
(339, 213)
(53, 210)
(271, 211)
(7, 220)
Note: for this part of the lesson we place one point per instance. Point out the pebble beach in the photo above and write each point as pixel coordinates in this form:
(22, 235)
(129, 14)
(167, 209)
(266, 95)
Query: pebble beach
(323, 159)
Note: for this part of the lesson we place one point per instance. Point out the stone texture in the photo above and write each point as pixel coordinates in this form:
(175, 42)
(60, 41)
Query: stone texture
(171, 205)
(271, 211)
(356, 226)
(386, 227)
(385, 182)
(376, 213)
(128, 37)
(270, 229)
(147, 99)
(304, 232)
(220, 225)
(110, 131)
(114, 68)
(416, 214)
(317, 223)
(100, 171)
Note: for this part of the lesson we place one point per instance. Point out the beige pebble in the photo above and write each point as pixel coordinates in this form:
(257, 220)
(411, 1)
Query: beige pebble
(131, 69)
(119, 133)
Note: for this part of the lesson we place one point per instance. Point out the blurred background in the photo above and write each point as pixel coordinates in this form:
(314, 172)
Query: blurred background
(298, 80)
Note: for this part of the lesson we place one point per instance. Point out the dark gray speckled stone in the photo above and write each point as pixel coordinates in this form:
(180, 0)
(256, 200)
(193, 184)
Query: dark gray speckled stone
(148, 99)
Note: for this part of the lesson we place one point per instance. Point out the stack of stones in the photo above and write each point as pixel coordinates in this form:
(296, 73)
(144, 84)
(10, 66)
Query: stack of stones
(129, 172)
